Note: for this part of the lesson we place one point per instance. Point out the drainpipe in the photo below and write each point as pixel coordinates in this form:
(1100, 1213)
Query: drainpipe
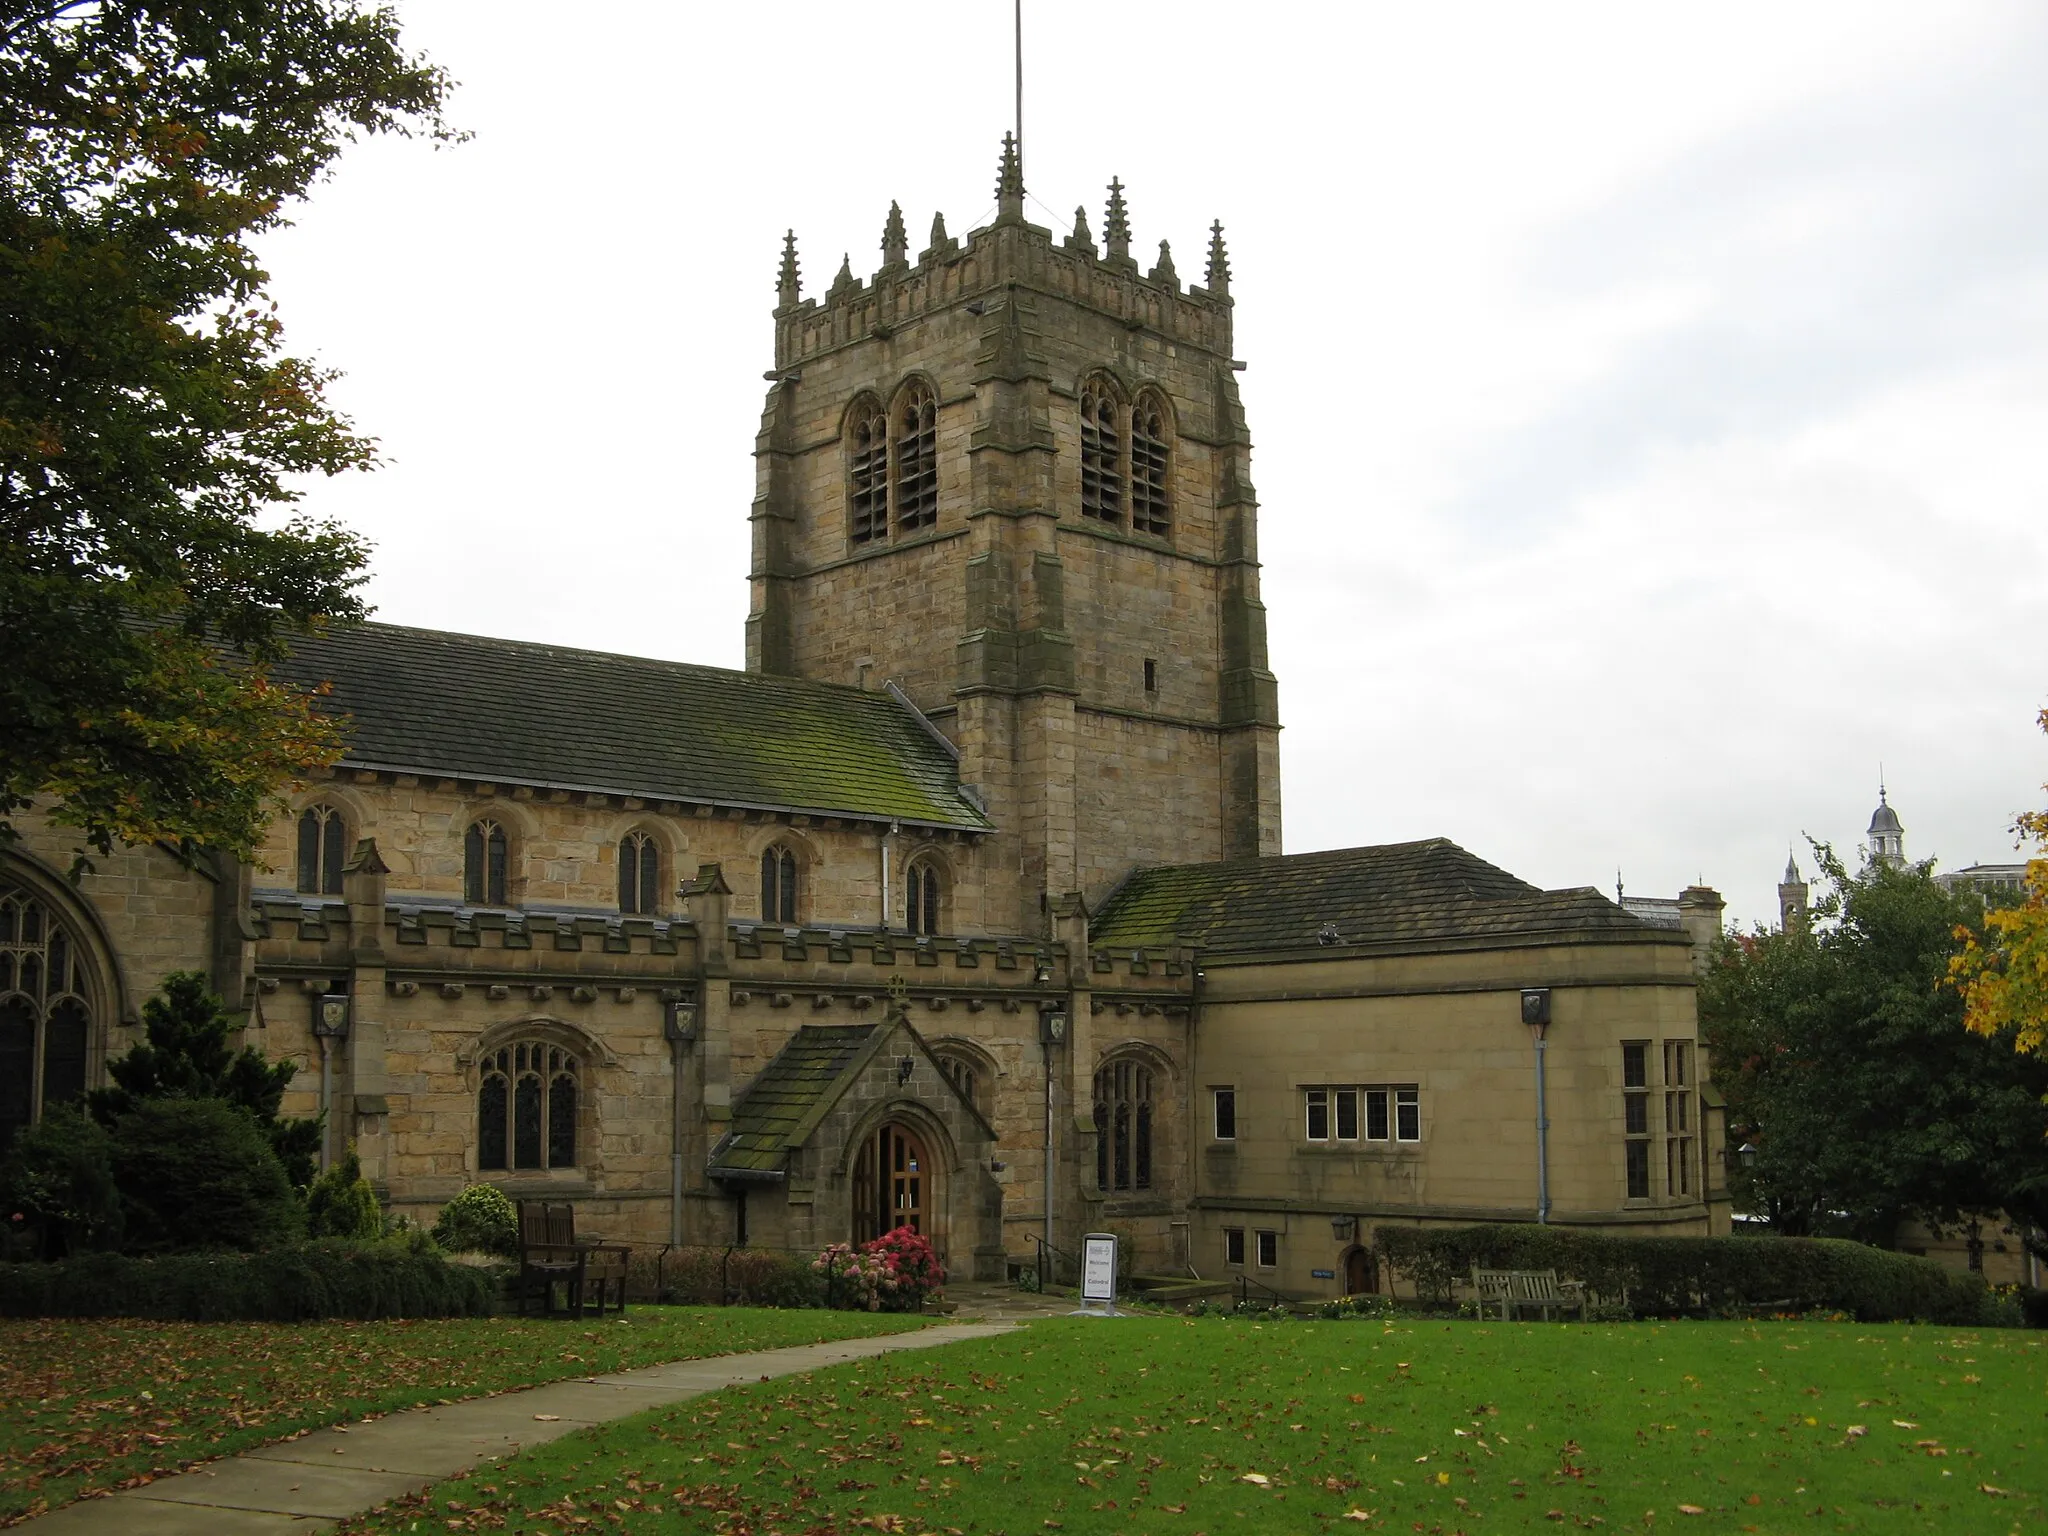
(326, 1094)
(1542, 1142)
(894, 828)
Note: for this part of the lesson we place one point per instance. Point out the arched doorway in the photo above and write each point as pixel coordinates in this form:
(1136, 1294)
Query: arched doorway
(1361, 1272)
(892, 1184)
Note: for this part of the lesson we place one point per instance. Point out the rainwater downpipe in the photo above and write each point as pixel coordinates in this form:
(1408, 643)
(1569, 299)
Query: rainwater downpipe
(326, 1094)
(1542, 1139)
(894, 828)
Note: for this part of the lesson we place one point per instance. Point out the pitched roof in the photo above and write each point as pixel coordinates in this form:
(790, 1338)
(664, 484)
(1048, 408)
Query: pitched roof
(508, 711)
(1390, 894)
(780, 1103)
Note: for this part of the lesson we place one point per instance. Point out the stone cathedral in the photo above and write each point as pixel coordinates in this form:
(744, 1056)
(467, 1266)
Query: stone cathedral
(962, 907)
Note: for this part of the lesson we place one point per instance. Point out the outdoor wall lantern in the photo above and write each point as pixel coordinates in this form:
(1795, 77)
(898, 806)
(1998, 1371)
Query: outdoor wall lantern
(330, 1015)
(679, 1021)
(905, 1065)
(1746, 1155)
(1052, 1025)
(1343, 1227)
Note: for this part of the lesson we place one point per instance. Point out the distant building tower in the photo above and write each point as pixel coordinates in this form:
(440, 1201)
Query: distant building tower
(1792, 898)
(1887, 835)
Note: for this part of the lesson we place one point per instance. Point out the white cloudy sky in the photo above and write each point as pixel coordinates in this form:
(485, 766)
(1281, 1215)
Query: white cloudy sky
(1650, 402)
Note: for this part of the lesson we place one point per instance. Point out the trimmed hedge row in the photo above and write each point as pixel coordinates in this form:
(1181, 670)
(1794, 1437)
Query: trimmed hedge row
(331, 1277)
(715, 1276)
(1675, 1276)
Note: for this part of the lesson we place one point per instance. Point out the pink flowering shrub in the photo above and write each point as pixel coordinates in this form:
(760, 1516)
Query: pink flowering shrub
(893, 1273)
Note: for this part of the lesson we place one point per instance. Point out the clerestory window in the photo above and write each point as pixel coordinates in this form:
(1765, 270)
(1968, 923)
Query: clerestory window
(323, 849)
(921, 898)
(486, 858)
(778, 885)
(639, 874)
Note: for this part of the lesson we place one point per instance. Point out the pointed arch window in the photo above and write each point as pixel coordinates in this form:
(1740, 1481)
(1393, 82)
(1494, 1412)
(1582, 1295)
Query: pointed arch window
(323, 849)
(639, 874)
(1123, 1126)
(921, 897)
(867, 501)
(526, 1107)
(1151, 512)
(778, 885)
(46, 1012)
(917, 458)
(966, 1074)
(486, 855)
(1102, 459)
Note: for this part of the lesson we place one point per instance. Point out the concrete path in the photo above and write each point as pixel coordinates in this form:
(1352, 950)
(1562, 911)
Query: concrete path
(308, 1484)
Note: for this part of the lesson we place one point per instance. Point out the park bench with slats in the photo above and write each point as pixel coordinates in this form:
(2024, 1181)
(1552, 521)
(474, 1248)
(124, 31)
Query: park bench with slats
(589, 1271)
(1514, 1291)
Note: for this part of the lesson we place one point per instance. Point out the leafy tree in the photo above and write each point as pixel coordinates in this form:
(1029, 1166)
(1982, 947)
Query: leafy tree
(2003, 974)
(151, 423)
(186, 1055)
(1849, 1069)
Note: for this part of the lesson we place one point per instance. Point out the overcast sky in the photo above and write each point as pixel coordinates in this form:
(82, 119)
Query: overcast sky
(1649, 402)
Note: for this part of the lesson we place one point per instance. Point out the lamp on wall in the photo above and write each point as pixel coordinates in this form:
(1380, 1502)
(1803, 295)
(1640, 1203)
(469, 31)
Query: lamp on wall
(905, 1065)
(1343, 1228)
(679, 1021)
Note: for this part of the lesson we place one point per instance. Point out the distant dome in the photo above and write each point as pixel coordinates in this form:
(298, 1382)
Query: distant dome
(1885, 820)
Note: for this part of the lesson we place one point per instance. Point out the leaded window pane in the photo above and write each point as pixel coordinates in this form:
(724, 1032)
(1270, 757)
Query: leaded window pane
(526, 1137)
(309, 852)
(650, 876)
(495, 894)
(473, 864)
(333, 853)
(629, 873)
(17, 1066)
(64, 1045)
(562, 1121)
(490, 1123)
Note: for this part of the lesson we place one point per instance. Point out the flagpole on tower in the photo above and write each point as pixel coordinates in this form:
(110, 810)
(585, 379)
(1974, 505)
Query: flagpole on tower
(1017, 16)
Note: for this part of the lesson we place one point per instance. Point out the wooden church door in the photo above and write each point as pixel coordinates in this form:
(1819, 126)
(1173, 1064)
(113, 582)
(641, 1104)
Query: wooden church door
(891, 1184)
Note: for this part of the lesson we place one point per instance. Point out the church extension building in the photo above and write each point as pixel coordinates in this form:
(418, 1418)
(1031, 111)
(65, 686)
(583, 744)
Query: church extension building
(962, 906)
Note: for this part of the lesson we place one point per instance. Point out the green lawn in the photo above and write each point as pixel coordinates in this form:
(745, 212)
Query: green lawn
(1206, 1427)
(86, 1406)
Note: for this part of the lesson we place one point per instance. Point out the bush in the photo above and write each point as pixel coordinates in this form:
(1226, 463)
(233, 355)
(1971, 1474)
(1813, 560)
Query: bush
(1710, 1276)
(342, 1204)
(200, 1173)
(717, 1276)
(479, 1220)
(327, 1278)
(891, 1273)
(57, 1192)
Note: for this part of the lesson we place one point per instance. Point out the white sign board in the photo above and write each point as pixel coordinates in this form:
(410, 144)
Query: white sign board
(1098, 1267)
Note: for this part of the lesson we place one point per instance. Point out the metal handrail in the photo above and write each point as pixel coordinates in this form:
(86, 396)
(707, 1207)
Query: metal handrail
(1244, 1294)
(1046, 1273)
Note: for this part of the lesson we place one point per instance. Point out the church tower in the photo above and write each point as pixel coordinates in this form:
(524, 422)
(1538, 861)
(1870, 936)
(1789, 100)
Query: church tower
(1792, 893)
(1012, 477)
(1887, 834)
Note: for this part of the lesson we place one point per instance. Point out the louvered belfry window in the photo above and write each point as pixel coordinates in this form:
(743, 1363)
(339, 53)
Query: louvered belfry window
(1150, 512)
(917, 458)
(1102, 477)
(868, 489)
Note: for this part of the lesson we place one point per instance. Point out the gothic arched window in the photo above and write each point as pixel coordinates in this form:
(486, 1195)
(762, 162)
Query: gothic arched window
(778, 885)
(1102, 456)
(1151, 511)
(45, 1012)
(921, 897)
(323, 849)
(485, 857)
(867, 496)
(526, 1107)
(966, 1074)
(917, 457)
(639, 874)
(1123, 1125)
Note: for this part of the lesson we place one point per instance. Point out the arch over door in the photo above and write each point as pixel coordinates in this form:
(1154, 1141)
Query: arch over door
(892, 1184)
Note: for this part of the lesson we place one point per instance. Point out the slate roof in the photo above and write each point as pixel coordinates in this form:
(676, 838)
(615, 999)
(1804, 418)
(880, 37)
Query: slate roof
(1391, 894)
(508, 711)
(782, 1100)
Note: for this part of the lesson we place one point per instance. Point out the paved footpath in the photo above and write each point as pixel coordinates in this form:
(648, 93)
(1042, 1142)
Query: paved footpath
(308, 1484)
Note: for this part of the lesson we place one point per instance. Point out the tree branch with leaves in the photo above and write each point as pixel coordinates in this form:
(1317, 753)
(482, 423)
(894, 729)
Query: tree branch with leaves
(2003, 974)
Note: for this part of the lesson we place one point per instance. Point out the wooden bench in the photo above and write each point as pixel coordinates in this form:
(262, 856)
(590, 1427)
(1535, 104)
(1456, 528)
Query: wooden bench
(590, 1272)
(1517, 1290)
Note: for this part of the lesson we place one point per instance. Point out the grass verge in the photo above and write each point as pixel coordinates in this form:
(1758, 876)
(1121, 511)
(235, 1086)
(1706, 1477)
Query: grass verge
(1207, 1427)
(91, 1406)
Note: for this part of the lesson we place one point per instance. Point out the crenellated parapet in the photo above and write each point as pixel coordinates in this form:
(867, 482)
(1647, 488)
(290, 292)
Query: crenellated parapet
(1009, 253)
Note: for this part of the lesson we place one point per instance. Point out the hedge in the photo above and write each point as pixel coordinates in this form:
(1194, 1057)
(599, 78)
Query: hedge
(330, 1277)
(716, 1276)
(1710, 1276)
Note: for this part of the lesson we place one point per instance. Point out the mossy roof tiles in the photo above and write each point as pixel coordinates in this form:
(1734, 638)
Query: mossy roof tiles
(508, 711)
(783, 1099)
(1391, 894)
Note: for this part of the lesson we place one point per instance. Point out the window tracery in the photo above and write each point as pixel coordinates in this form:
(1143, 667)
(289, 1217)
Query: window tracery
(1123, 1125)
(46, 1015)
(639, 874)
(867, 501)
(778, 885)
(323, 850)
(966, 1074)
(486, 857)
(921, 897)
(527, 1106)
